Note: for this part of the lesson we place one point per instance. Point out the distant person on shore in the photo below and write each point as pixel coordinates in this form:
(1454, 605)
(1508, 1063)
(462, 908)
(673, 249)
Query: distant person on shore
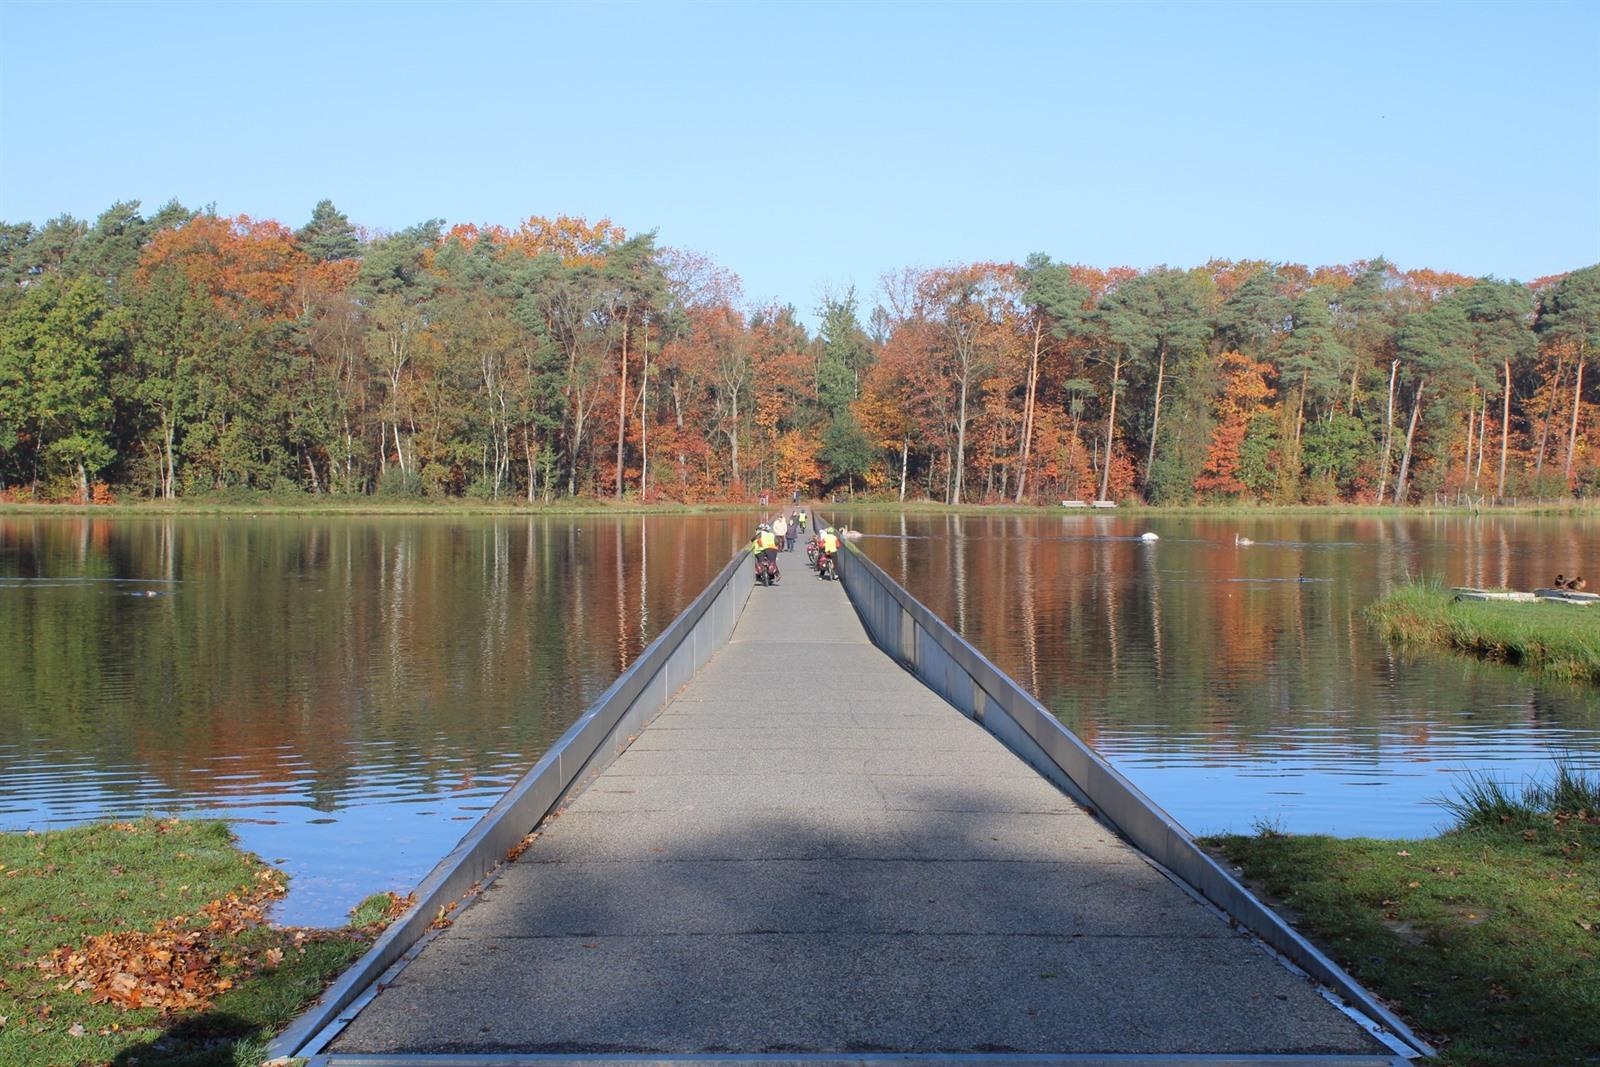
(780, 529)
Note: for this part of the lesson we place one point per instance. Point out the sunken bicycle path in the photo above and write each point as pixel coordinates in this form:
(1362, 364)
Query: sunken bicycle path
(809, 851)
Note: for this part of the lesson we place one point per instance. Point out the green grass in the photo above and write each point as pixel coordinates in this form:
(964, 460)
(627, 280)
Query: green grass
(60, 888)
(1486, 939)
(1557, 639)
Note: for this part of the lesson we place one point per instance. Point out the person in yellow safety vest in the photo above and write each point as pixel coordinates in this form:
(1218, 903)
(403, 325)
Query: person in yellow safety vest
(765, 547)
(829, 544)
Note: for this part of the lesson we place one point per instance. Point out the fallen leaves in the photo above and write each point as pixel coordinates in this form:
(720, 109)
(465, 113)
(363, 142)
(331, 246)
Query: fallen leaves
(176, 966)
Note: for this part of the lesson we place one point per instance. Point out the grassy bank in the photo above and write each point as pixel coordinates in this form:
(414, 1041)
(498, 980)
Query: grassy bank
(1557, 639)
(1485, 939)
(143, 942)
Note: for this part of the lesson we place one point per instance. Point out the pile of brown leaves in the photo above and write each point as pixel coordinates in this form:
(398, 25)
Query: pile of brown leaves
(177, 966)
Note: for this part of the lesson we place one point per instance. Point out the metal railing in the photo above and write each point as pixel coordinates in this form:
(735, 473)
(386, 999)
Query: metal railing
(601, 734)
(945, 662)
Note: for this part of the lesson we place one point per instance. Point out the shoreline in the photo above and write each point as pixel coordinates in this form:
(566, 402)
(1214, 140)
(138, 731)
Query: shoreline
(147, 941)
(584, 506)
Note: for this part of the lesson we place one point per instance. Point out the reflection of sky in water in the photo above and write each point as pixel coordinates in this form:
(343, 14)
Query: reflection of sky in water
(351, 693)
(1238, 683)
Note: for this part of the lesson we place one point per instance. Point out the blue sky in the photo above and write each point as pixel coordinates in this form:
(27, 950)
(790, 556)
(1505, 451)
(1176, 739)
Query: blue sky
(813, 145)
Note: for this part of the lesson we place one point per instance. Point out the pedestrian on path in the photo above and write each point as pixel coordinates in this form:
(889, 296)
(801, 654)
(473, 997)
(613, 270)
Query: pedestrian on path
(780, 529)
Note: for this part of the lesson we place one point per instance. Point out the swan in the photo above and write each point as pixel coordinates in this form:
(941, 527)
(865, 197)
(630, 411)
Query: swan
(1242, 542)
(1148, 536)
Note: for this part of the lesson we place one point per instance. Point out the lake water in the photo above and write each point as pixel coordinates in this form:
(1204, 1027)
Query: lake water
(1239, 683)
(354, 692)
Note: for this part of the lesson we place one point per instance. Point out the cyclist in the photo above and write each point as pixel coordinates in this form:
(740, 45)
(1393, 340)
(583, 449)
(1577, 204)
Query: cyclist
(765, 549)
(828, 544)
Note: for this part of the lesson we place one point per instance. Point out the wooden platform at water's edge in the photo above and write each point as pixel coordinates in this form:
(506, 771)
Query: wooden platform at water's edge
(809, 852)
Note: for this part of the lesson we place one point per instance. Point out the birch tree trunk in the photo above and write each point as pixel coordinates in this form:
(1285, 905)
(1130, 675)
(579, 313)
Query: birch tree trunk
(1027, 414)
(1572, 435)
(1411, 433)
(622, 406)
(1505, 433)
(1155, 419)
(1549, 412)
(1111, 426)
(1388, 431)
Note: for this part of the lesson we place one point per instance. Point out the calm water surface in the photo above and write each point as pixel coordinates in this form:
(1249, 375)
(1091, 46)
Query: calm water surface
(1239, 683)
(353, 692)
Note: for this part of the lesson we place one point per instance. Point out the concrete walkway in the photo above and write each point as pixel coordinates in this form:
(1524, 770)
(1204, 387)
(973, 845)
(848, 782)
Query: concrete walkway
(811, 852)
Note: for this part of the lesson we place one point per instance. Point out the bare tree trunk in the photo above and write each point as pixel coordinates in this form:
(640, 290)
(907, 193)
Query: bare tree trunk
(1483, 440)
(1300, 410)
(1027, 412)
(644, 417)
(527, 455)
(1111, 426)
(1472, 430)
(905, 447)
(960, 458)
(622, 406)
(1549, 410)
(1388, 431)
(1155, 419)
(1505, 431)
(1405, 459)
(1572, 436)
(733, 438)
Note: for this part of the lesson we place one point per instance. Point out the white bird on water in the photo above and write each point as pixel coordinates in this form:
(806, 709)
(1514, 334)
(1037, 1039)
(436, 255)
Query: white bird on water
(1242, 542)
(1148, 536)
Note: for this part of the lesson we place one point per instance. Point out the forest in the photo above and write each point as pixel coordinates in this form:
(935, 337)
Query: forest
(187, 354)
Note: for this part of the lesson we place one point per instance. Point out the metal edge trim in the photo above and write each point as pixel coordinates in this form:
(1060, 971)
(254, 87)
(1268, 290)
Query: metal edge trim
(1166, 840)
(869, 1059)
(484, 846)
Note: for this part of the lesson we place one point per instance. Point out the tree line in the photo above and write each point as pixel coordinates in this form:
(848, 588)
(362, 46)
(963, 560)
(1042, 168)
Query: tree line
(184, 353)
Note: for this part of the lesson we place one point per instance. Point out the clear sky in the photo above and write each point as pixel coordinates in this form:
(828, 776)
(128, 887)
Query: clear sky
(812, 145)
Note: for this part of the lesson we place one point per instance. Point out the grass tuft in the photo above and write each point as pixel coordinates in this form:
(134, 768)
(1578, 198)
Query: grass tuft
(1560, 640)
(1482, 801)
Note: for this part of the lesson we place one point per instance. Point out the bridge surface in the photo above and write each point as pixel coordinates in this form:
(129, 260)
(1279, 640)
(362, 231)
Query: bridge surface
(811, 852)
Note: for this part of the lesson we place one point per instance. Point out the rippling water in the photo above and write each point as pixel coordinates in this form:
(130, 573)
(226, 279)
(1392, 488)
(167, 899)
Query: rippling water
(353, 692)
(1239, 683)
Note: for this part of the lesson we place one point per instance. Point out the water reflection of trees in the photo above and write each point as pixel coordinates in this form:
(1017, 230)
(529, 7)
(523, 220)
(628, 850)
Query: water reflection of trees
(324, 658)
(1197, 644)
